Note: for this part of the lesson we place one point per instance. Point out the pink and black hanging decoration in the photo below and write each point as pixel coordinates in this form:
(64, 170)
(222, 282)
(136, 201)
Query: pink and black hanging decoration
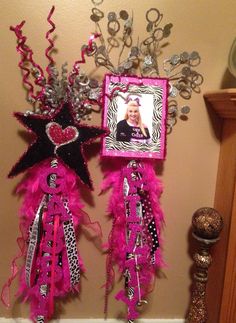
(140, 108)
(52, 211)
(135, 113)
(137, 222)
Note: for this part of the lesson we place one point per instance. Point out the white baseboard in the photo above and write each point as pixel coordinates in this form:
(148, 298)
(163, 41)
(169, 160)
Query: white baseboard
(20, 320)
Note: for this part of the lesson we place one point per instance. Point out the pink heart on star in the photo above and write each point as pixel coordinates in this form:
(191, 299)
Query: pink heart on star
(59, 136)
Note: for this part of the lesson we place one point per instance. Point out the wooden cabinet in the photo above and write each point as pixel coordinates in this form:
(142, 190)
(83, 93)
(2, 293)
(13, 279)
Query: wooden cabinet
(221, 289)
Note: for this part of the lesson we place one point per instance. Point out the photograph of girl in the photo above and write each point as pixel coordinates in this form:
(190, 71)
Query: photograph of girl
(131, 128)
(135, 115)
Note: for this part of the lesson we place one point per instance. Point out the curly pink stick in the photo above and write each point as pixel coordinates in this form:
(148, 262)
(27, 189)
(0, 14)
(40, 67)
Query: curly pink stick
(38, 80)
(87, 49)
(27, 55)
(51, 46)
(23, 50)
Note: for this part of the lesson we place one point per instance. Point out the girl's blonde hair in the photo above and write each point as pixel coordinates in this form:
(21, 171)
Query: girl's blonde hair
(140, 124)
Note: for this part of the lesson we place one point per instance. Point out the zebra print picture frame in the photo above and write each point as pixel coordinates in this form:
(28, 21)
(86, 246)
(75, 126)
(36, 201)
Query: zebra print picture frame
(135, 111)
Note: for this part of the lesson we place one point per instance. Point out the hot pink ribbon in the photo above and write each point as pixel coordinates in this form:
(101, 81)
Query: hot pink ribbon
(5, 294)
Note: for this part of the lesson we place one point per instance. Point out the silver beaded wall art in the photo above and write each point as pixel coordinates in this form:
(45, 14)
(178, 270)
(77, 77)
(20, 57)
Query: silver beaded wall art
(145, 56)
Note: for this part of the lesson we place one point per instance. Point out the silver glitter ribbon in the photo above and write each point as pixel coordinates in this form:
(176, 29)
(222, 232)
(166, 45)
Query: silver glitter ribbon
(33, 242)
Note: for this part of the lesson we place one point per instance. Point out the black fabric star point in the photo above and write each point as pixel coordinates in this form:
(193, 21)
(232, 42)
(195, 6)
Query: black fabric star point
(57, 136)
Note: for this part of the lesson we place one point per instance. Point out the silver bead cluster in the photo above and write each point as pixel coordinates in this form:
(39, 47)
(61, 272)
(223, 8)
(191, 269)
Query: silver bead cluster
(119, 29)
(82, 94)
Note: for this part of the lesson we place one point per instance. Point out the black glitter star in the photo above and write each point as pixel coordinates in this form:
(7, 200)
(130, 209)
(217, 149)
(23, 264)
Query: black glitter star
(57, 136)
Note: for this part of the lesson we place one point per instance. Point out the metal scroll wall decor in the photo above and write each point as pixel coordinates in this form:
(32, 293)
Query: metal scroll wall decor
(140, 107)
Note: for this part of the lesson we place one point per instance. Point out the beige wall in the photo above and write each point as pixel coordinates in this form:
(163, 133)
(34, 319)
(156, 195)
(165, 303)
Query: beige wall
(189, 172)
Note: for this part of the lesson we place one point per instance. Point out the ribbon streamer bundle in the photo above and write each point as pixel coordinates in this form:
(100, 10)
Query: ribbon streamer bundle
(52, 265)
(137, 221)
(134, 203)
(52, 212)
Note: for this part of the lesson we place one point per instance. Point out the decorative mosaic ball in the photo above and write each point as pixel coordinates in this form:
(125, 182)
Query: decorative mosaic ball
(207, 223)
